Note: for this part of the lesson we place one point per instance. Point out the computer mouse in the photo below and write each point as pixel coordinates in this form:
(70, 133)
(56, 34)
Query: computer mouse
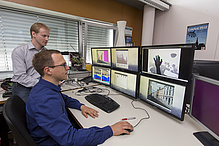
(129, 130)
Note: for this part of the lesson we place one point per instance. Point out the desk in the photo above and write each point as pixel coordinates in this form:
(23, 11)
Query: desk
(160, 130)
(2, 100)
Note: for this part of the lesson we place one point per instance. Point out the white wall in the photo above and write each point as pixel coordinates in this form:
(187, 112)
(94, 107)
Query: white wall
(171, 25)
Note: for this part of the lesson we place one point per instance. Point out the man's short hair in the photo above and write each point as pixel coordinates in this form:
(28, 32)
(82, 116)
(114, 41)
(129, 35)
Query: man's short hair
(43, 59)
(36, 28)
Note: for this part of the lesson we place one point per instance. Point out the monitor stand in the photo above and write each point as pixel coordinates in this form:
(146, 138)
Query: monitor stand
(206, 138)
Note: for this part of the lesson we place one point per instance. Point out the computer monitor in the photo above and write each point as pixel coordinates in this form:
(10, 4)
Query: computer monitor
(165, 95)
(101, 56)
(205, 108)
(172, 61)
(66, 56)
(126, 58)
(101, 74)
(124, 82)
(73, 60)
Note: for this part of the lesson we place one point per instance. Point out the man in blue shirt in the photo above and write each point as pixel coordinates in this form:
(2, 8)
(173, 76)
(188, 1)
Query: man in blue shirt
(47, 119)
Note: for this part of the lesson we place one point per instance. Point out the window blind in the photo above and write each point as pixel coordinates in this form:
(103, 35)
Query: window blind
(98, 37)
(15, 31)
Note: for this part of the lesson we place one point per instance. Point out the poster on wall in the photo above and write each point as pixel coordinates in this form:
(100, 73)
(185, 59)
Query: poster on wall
(197, 34)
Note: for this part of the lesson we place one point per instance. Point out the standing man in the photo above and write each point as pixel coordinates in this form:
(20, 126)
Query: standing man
(25, 76)
(47, 118)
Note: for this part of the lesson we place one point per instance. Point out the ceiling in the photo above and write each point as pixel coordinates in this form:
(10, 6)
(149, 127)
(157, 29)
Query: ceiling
(134, 3)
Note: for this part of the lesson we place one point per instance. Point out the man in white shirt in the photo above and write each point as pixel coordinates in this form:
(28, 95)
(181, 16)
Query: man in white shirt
(25, 76)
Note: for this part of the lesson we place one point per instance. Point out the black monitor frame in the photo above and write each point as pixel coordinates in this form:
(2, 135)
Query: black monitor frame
(169, 82)
(186, 59)
(101, 48)
(124, 69)
(105, 67)
(128, 72)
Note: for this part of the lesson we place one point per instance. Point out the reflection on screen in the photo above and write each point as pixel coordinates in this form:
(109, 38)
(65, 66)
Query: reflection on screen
(125, 58)
(167, 96)
(101, 74)
(101, 56)
(164, 62)
(124, 82)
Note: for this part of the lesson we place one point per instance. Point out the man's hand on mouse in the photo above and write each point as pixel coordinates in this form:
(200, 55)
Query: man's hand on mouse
(119, 128)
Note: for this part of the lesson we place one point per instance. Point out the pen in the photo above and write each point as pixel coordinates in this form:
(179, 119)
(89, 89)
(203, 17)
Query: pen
(131, 118)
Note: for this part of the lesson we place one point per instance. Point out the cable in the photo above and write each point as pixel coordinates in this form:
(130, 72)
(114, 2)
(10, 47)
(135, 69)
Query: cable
(148, 116)
(91, 90)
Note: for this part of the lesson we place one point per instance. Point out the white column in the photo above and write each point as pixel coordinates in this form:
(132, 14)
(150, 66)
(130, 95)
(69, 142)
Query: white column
(148, 25)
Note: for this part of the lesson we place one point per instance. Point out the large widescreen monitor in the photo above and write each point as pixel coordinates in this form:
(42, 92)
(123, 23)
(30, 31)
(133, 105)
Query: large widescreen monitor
(124, 82)
(172, 61)
(165, 95)
(101, 74)
(126, 58)
(101, 56)
(205, 108)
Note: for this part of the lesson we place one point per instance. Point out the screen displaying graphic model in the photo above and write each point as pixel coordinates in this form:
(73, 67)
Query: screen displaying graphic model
(124, 82)
(126, 58)
(205, 108)
(101, 56)
(101, 74)
(167, 96)
(172, 61)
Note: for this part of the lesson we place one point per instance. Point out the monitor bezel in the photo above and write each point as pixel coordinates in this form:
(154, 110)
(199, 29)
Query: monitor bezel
(137, 82)
(110, 57)
(186, 65)
(98, 81)
(207, 80)
(124, 47)
(168, 80)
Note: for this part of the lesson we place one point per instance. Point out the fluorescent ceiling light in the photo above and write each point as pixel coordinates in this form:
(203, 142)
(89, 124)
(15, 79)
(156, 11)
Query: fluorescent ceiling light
(156, 4)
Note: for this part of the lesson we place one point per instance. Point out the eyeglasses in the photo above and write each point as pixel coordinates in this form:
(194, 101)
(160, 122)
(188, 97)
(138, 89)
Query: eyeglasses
(63, 64)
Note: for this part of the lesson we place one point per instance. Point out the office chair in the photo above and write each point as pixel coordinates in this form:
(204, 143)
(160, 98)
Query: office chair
(14, 111)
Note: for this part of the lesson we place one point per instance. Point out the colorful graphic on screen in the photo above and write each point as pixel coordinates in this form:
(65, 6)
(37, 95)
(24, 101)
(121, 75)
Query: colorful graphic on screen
(102, 56)
(101, 75)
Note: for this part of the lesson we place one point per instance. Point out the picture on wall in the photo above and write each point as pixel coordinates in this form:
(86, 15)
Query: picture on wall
(197, 34)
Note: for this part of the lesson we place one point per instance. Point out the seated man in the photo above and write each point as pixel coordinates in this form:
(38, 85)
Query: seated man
(47, 118)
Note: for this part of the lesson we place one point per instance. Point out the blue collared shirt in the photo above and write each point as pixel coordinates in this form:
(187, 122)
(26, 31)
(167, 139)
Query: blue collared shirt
(48, 122)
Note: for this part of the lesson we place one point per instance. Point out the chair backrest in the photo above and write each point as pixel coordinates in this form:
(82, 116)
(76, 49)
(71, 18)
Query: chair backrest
(14, 111)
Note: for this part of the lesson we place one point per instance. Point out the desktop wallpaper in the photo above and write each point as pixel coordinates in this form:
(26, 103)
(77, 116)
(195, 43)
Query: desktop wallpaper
(167, 96)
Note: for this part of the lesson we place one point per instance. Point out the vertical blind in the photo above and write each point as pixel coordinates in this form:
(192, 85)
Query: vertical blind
(64, 34)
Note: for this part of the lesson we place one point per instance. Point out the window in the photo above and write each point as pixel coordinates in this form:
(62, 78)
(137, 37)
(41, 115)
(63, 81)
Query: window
(15, 31)
(65, 35)
(98, 37)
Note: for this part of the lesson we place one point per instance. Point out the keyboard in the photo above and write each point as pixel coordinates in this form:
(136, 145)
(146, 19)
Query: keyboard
(103, 102)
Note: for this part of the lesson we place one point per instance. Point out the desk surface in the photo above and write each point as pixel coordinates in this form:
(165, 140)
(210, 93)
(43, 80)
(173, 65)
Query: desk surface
(2, 100)
(160, 129)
